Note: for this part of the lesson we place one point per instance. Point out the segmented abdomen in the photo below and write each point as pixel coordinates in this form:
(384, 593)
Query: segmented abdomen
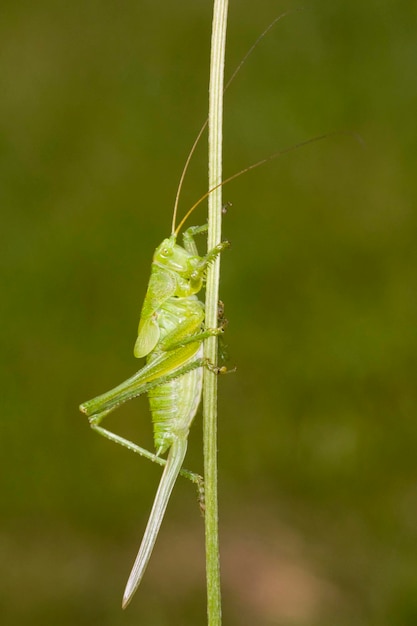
(174, 405)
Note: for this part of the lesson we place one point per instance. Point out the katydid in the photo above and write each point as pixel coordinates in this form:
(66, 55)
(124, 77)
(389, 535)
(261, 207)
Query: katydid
(170, 336)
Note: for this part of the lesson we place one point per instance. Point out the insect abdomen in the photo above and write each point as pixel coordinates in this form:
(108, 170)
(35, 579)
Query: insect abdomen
(174, 405)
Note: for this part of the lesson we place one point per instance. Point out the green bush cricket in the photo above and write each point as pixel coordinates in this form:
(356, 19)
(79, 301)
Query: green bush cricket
(170, 335)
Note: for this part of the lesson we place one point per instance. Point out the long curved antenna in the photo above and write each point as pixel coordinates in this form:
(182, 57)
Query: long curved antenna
(252, 167)
(184, 171)
(261, 36)
(202, 129)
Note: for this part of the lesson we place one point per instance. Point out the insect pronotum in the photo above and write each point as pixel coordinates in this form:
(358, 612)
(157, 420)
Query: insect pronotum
(170, 336)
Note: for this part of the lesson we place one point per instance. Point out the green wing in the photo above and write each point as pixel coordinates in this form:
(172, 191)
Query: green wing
(162, 285)
(148, 337)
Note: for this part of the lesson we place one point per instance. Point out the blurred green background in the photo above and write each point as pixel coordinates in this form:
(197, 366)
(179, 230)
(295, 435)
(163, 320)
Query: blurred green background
(100, 102)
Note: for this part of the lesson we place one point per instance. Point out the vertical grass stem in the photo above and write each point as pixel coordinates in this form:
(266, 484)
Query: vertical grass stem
(218, 47)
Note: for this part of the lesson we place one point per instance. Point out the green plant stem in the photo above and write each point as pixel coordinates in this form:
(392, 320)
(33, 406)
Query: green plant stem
(218, 47)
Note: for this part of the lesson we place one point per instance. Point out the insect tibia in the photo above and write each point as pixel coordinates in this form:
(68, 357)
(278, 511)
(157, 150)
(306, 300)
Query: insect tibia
(202, 498)
(192, 231)
(188, 237)
(213, 254)
(199, 337)
(172, 468)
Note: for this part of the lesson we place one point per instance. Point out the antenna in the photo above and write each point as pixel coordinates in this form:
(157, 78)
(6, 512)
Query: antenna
(271, 157)
(202, 129)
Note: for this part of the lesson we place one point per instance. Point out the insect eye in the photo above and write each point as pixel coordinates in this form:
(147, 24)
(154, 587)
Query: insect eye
(166, 252)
